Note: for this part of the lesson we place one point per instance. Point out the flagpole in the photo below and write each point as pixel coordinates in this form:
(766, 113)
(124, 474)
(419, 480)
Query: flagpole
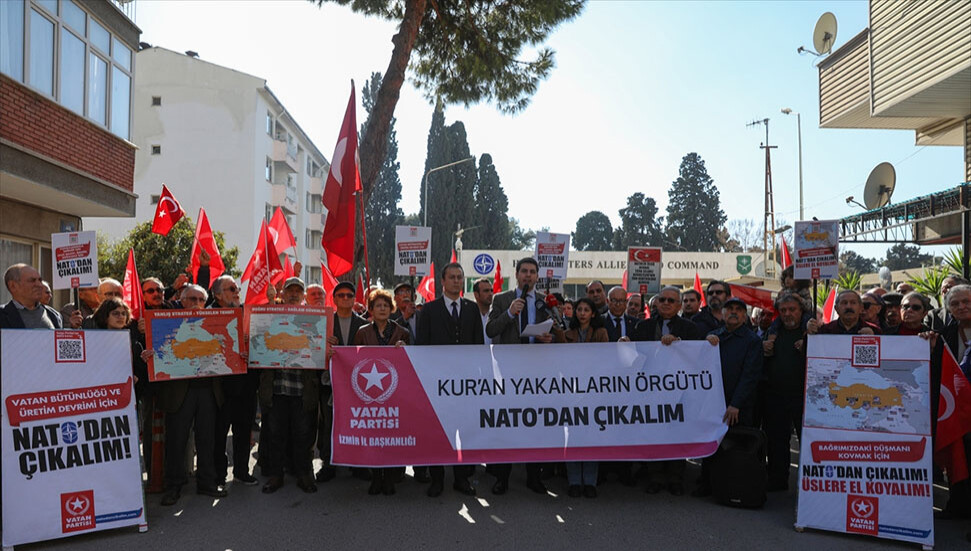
(367, 267)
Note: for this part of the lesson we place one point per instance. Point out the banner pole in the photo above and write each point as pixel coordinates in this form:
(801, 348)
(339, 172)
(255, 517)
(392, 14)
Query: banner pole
(815, 285)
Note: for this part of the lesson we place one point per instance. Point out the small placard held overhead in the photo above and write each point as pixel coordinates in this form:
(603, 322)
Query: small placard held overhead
(816, 249)
(74, 259)
(412, 250)
(644, 270)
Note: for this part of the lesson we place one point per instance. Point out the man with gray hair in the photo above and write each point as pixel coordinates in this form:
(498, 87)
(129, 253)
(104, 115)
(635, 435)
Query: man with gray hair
(25, 310)
(939, 318)
(619, 325)
(957, 337)
(109, 288)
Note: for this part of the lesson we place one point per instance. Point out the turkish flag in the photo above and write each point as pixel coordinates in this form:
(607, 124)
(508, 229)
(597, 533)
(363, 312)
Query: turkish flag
(360, 296)
(497, 280)
(280, 232)
(329, 283)
(167, 213)
(343, 181)
(953, 419)
(204, 241)
(786, 259)
(829, 306)
(426, 288)
(262, 266)
(131, 289)
(454, 258)
(754, 296)
(287, 267)
(623, 281)
(700, 290)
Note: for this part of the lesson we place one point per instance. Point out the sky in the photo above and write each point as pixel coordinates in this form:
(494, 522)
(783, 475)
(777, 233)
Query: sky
(637, 86)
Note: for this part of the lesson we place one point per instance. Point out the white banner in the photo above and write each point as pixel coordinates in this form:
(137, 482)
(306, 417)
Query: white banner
(552, 254)
(70, 435)
(427, 405)
(75, 260)
(865, 456)
(412, 250)
(816, 249)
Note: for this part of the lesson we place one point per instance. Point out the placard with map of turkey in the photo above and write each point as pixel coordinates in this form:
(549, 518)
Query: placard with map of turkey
(193, 343)
(288, 337)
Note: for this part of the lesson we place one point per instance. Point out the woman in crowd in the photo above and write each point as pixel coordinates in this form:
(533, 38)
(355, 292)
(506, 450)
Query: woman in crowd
(913, 308)
(382, 332)
(585, 326)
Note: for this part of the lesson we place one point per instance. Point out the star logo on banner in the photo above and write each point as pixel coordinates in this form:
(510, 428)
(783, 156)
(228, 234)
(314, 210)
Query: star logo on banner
(374, 378)
(381, 377)
(77, 506)
(862, 508)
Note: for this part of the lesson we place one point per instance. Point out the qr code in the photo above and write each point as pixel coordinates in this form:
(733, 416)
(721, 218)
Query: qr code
(69, 350)
(866, 355)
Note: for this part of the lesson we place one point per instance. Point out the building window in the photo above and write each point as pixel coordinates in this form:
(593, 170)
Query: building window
(73, 16)
(156, 150)
(269, 123)
(41, 53)
(314, 204)
(268, 213)
(100, 37)
(313, 239)
(155, 199)
(120, 99)
(309, 166)
(313, 275)
(97, 88)
(268, 171)
(72, 71)
(12, 39)
(156, 101)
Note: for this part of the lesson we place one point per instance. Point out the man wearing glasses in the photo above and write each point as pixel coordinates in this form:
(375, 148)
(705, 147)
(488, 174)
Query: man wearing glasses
(710, 317)
(619, 325)
(346, 323)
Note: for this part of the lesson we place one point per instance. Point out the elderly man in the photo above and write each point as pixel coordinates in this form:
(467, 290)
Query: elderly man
(635, 306)
(597, 293)
(25, 310)
(238, 410)
(849, 306)
(89, 301)
(316, 296)
(190, 404)
(741, 365)
(619, 325)
(405, 315)
(957, 337)
(48, 294)
(939, 318)
(785, 377)
(667, 328)
(290, 398)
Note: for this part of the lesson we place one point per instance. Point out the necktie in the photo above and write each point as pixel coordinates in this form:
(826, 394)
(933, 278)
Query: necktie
(455, 311)
(617, 326)
(524, 320)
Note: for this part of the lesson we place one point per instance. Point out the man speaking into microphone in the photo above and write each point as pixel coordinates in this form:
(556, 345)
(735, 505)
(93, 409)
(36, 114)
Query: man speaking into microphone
(511, 312)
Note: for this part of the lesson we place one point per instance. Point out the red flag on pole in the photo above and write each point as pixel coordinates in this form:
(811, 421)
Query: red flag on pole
(261, 267)
(280, 232)
(167, 213)
(623, 281)
(953, 419)
(204, 241)
(454, 258)
(343, 181)
(329, 284)
(131, 289)
(497, 279)
(700, 290)
(786, 259)
(828, 306)
(287, 267)
(360, 296)
(426, 288)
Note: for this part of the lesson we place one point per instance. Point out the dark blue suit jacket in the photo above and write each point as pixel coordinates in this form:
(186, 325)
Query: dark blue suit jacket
(10, 317)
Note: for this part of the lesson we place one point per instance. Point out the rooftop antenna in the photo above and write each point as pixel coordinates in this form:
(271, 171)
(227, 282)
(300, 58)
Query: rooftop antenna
(824, 36)
(768, 221)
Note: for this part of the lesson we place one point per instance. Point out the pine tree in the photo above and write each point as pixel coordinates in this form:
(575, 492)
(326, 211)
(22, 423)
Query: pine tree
(492, 208)
(593, 232)
(381, 212)
(694, 212)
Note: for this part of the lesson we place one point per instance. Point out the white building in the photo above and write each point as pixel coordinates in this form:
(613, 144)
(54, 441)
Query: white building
(220, 139)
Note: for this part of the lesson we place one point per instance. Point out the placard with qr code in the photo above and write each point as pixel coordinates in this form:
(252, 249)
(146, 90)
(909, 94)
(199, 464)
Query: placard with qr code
(69, 346)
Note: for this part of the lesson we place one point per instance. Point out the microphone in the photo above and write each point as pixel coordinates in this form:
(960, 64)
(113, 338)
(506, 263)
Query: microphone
(553, 306)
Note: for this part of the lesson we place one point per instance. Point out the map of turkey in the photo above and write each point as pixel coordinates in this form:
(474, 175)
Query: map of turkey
(289, 340)
(195, 347)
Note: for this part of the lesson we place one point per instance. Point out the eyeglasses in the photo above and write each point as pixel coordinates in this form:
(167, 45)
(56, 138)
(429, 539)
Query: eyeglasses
(917, 307)
(666, 300)
(233, 289)
(619, 300)
(868, 305)
(344, 295)
(716, 292)
(152, 290)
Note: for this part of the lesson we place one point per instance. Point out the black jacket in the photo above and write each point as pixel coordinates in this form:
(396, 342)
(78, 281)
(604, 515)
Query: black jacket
(436, 326)
(10, 317)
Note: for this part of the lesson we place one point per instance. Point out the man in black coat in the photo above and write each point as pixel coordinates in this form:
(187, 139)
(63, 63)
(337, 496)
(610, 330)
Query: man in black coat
(616, 320)
(667, 327)
(450, 319)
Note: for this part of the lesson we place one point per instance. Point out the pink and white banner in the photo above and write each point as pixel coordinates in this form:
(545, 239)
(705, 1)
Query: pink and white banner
(433, 405)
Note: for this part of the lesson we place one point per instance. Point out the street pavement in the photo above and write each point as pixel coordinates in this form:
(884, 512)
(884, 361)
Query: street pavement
(342, 516)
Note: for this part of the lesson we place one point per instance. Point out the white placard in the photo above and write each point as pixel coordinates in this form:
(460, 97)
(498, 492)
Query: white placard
(644, 270)
(75, 260)
(412, 250)
(816, 249)
(552, 254)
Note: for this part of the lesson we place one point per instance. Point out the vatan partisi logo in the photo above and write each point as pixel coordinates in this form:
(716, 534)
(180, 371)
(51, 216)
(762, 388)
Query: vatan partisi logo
(483, 264)
(379, 377)
(77, 511)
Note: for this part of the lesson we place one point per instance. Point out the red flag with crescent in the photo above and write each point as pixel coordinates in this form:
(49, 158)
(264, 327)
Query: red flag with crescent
(131, 289)
(280, 232)
(205, 241)
(953, 419)
(426, 288)
(167, 213)
(497, 280)
(786, 259)
(343, 181)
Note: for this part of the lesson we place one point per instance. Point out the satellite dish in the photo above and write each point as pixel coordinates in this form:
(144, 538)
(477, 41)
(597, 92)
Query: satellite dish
(879, 186)
(825, 33)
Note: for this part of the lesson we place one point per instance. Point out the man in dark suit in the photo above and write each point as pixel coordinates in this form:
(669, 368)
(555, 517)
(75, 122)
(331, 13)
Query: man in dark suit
(939, 318)
(450, 319)
(511, 312)
(618, 323)
(667, 327)
(25, 310)
(346, 323)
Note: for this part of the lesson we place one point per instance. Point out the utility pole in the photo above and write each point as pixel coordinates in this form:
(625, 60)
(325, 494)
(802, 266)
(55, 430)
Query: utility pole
(768, 221)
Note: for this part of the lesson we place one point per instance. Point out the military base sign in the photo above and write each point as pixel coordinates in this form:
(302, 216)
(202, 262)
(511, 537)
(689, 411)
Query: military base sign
(865, 457)
(816, 249)
(75, 260)
(412, 250)
(644, 270)
(70, 435)
(435, 405)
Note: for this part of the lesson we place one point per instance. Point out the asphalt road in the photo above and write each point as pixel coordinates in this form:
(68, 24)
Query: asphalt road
(342, 516)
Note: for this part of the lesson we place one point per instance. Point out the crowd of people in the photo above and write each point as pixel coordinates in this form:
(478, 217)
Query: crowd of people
(763, 363)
